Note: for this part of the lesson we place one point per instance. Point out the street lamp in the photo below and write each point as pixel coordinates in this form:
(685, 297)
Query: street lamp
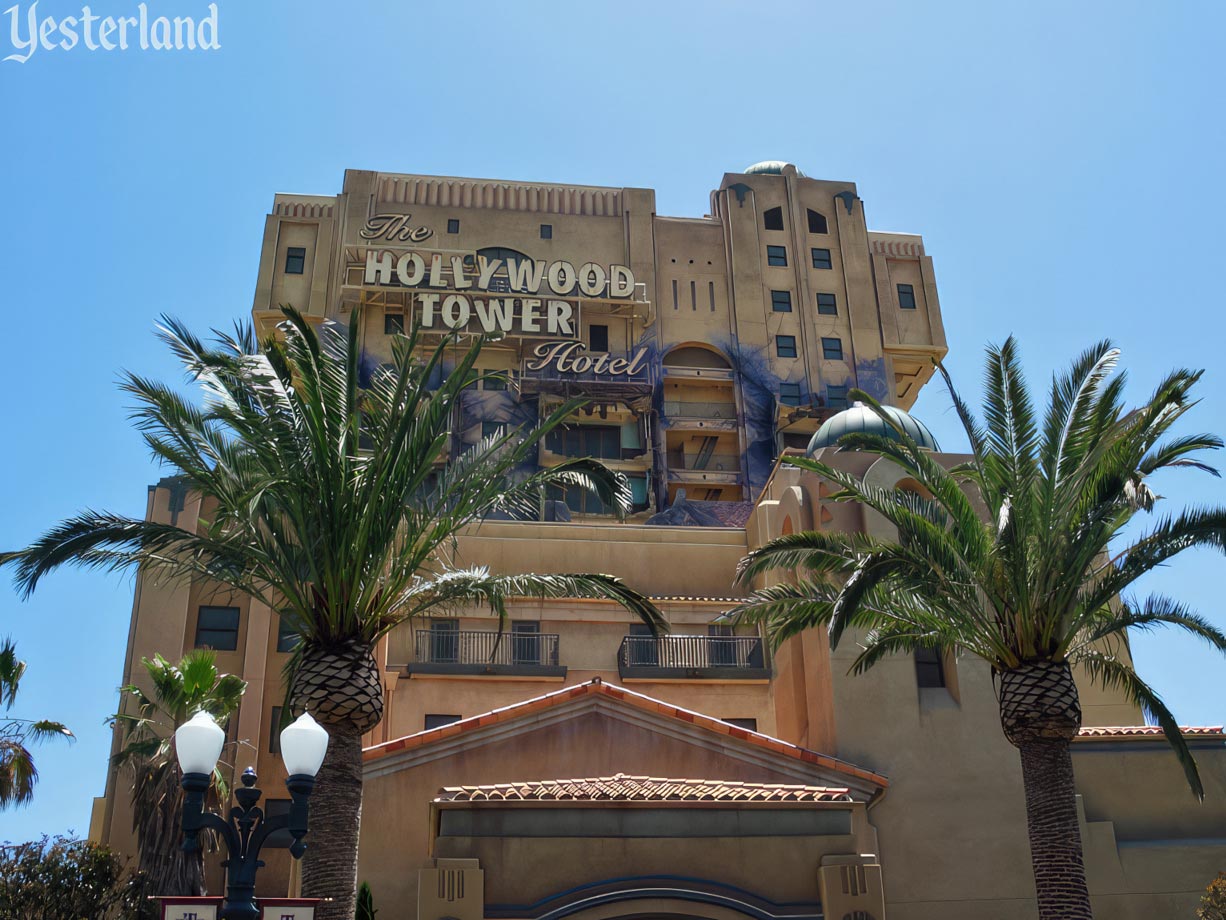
(198, 744)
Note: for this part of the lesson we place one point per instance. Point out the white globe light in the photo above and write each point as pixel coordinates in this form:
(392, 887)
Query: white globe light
(303, 745)
(198, 744)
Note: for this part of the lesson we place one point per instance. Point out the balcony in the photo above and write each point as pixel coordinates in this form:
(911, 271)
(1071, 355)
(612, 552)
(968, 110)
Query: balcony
(714, 416)
(722, 468)
(485, 652)
(692, 658)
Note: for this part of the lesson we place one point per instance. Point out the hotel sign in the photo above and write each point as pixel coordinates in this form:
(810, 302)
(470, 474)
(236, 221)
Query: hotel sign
(510, 296)
(553, 360)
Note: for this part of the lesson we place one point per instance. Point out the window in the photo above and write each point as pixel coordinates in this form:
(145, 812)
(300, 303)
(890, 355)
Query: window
(604, 442)
(598, 337)
(789, 394)
(546, 231)
(906, 297)
(497, 380)
(287, 639)
(492, 430)
(525, 642)
(444, 641)
(295, 260)
(772, 218)
(274, 731)
(781, 301)
(393, 324)
(282, 839)
(217, 628)
(832, 349)
(747, 724)
(836, 396)
(453, 225)
(438, 720)
(785, 346)
(827, 305)
(580, 501)
(821, 258)
(817, 222)
(776, 255)
(929, 669)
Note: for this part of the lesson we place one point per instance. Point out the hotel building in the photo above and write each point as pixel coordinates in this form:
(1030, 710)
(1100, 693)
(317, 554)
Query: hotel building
(580, 768)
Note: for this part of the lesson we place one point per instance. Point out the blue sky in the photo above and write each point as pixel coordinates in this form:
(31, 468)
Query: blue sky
(1061, 160)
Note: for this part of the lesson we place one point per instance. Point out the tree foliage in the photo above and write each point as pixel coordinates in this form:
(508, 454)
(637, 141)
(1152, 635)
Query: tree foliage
(177, 692)
(60, 878)
(1046, 573)
(18, 773)
(1213, 902)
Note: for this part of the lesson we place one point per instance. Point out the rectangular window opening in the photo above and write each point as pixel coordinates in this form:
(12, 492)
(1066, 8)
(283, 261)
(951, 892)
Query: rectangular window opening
(287, 639)
(598, 337)
(393, 324)
(821, 258)
(827, 305)
(546, 231)
(785, 346)
(832, 349)
(777, 255)
(438, 720)
(836, 396)
(789, 394)
(929, 667)
(295, 260)
(453, 225)
(781, 301)
(906, 297)
(217, 628)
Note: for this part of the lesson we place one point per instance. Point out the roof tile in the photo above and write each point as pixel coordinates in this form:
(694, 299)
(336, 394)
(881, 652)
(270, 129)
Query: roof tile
(623, 788)
(598, 687)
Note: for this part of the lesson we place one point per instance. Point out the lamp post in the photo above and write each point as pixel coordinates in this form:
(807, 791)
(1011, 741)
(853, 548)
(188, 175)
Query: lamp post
(198, 743)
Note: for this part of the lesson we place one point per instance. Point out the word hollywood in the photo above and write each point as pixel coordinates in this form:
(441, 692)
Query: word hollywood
(110, 33)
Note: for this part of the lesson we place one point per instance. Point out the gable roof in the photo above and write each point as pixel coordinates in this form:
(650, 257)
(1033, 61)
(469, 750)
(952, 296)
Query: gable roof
(623, 788)
(1147, 731)
(596, 688)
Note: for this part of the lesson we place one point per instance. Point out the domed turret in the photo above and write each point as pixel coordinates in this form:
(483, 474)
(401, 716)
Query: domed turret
(769, 168)
(861, 418)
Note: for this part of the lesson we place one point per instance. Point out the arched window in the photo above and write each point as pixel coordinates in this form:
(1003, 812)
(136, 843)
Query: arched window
(695, 356)
(817, 222)
(501, 280)
(772, 218)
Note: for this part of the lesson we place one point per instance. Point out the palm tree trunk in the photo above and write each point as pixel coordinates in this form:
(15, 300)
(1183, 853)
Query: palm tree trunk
(1055, 836)
(330, 865)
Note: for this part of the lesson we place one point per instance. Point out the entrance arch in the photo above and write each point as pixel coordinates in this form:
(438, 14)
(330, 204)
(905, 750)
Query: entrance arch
(664, 897)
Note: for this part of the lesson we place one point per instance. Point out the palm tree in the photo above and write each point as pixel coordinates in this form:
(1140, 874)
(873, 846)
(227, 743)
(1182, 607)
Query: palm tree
(1036, 587)
(18, 775)
(179, 691)
(327, 497)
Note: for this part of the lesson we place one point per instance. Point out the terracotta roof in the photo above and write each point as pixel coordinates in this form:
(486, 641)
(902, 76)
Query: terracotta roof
(1142, 731)
(623, 788)
(628, 697)
(699, 598)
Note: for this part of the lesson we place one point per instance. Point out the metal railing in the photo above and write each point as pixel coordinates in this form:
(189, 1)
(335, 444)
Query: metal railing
(685, 409)
(712, 463)
(691, 652)
(485, 647)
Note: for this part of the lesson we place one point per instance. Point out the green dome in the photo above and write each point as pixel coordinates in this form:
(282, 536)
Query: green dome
(768, 168)
(861, 418)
